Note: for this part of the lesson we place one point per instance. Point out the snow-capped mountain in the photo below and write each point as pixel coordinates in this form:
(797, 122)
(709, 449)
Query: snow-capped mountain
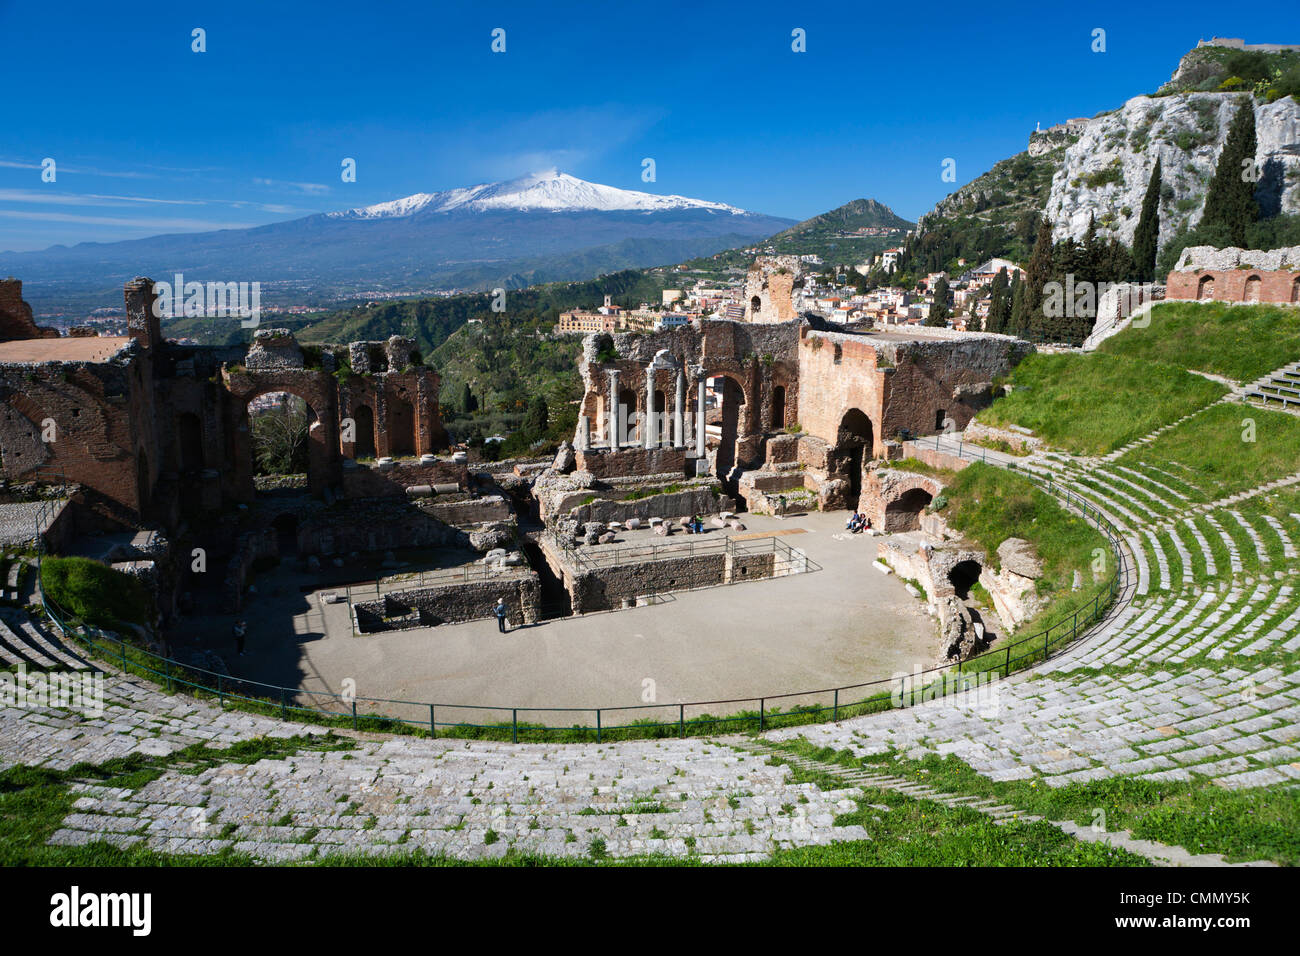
(545, 227)
(549, 191)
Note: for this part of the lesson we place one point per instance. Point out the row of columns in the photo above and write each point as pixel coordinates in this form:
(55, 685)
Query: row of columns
(650, 432)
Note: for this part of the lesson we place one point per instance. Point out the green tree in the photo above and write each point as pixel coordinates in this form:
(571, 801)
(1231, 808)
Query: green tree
(1019, 324)
(1230, 201)
(999, 318)
(1037, 275)
(1146, 238)
(279, 439)
(939, 311)
(536, 418)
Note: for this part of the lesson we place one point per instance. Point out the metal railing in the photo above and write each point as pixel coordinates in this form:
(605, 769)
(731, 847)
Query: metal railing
(628, 721)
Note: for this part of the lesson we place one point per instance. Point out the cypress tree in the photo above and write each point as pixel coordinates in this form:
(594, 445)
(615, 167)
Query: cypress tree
(1018, 325)
(939, 311)
(1230, 201)
(1147, 235)
(999, 304)
(1037, 276)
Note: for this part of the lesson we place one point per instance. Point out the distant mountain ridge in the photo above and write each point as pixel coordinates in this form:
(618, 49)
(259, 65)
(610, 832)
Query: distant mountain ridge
(552, 191)
(857, 214)
(547, 226)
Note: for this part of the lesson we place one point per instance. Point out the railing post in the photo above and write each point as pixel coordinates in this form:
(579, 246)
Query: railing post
(284, 705)
(597, 725)
(1007, 668)
(762, 706)
(433, 723)
(354, 715)
(681, 720)
(514, 726)
(221, 692)
(835, 710)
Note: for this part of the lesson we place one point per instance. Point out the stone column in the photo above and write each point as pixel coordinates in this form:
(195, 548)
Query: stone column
(679, 412)
(613, 409)
(650, 420)
(700, 385)
(584, 433)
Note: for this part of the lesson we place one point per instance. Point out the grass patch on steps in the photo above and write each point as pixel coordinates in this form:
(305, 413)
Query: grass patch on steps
(1240, 342)
(1094, 404)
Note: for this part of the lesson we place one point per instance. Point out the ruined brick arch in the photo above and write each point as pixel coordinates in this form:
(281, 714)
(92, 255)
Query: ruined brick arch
(363, 426)
(854, 444)
(79, 421)
(733, 417)
(1205, 288)
(1295, 290)
(1251, 294)
(778, 417)
(324, 456)
(894, 500)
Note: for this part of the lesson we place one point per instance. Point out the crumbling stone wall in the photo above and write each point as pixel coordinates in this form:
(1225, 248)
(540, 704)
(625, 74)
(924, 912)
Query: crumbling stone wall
(403, 478)
(16, 319)
(884, 489)
(374, 525)
(770, 280)
(449, 604)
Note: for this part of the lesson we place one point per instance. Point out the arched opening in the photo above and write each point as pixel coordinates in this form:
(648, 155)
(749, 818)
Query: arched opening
(778, 407)
(724, 422)
(286, 530)
(854, 441)
(363, 421)
(1252, 289)
(1295, 290)
(963, 576)
(904, 513)
(755, 306)
(1205, 288)
(401, 428)
(279, 428)
(189, 441)
(142, 481)
(631, 424)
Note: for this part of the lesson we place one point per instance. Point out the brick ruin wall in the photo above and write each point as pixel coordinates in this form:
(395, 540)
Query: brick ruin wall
(16, 319)
(953, 377)
(1230, 285)
(99, 419)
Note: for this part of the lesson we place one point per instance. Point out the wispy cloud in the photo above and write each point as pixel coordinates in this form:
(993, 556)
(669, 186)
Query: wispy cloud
(313, 189)
(168, 225)
(79, 170)
(53, 198)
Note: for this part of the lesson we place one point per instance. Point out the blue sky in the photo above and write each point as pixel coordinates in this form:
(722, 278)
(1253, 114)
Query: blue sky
(150, 137)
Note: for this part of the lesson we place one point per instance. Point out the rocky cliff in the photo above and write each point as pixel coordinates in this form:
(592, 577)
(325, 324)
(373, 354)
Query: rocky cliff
(1105, 169)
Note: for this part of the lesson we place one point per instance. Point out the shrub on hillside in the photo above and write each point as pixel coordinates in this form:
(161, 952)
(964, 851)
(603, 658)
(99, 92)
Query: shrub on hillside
(94, 592)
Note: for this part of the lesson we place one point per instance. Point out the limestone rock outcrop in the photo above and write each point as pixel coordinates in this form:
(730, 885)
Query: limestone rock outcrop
(1014, 587)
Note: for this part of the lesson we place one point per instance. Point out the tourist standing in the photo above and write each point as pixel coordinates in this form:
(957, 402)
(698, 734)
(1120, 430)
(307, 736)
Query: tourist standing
(500, 612)
(241, 630)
